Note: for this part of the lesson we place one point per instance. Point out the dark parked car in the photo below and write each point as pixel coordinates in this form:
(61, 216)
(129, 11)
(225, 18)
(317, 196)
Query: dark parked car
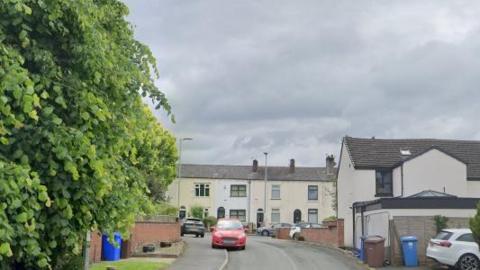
(193, 226)
(270, 231)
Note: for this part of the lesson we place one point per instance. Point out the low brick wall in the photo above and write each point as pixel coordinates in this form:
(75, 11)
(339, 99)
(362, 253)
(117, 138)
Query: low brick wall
(423, 227)
(331, 234)
(282, 233)
(144, 232)
(152, 232)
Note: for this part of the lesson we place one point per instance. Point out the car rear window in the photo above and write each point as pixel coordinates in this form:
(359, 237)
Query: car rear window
(443, 235)
(229, 225)
(468, 237)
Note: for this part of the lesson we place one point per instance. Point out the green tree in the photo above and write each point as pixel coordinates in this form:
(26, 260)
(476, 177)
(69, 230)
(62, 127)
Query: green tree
(196, 211)
(79, 150)
(475, 225)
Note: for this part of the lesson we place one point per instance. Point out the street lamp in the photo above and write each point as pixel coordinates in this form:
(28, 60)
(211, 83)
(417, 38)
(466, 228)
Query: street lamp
(179, 168)
(265, 190)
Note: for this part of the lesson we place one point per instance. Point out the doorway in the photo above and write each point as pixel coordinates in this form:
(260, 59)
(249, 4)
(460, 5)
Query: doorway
(297, 216)
(259, 217)
(220, 212)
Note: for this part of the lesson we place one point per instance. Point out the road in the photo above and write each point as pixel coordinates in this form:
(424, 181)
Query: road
(263, 253)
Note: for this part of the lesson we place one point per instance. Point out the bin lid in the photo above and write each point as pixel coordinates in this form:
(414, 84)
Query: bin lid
(374, 239)
(408, 239)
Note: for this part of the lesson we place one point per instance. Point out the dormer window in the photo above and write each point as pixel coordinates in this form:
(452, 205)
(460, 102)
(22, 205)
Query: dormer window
(384, 186)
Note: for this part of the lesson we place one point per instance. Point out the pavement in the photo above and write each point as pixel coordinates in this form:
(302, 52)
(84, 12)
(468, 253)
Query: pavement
(262, 253)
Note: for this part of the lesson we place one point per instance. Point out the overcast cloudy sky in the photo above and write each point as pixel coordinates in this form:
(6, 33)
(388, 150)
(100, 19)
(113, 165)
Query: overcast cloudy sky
(294, 77)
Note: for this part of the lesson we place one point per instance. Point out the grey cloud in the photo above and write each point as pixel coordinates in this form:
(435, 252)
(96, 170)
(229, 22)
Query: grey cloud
(293, 77)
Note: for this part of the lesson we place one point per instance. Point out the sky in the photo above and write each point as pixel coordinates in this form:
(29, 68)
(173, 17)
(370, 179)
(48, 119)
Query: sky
(292, 78)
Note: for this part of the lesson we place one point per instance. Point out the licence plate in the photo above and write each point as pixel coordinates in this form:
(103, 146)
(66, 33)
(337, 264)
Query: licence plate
(229, 242)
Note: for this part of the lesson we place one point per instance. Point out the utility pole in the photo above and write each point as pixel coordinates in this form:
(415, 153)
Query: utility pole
(86, 251)
(179, 168)
(265, 179)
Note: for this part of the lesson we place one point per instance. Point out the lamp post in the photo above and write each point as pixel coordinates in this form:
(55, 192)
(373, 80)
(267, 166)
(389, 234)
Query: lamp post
(179, 168)
(265, 179)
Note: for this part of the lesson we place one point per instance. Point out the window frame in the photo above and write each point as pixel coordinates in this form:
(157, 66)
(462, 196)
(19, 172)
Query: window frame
(308, 215)
(383, 173)
(279, 192)
(275, 211)
(202, 190)
(308, 192)
(239, 193)
(237, 215)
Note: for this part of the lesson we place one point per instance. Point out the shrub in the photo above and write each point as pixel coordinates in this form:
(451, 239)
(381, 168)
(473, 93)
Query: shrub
(196, 211)
(210, 221)
(440, 222)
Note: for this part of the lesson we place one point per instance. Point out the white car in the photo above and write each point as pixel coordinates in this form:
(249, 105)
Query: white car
(455, 247)
(297, 228)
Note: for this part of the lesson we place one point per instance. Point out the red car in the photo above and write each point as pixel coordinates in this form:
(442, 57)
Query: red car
(229, 233)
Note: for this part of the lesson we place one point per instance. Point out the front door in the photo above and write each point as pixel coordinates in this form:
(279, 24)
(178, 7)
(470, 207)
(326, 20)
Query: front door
(259, 219)
(297, 216)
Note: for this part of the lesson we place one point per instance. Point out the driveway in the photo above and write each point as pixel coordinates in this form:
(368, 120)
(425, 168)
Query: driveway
(262, 253)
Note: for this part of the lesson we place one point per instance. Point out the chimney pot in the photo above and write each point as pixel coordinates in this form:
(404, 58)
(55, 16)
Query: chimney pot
(255, 165)
(292, 166)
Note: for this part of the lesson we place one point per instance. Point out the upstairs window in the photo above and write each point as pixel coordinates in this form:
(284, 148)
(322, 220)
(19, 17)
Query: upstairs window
(239, 214)
(384, 187)
(312, 192)
(238, 191)
(202, 190)
(275, 192)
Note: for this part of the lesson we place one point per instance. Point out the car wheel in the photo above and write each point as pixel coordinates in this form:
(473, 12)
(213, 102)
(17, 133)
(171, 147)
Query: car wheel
(265, 233)
(243, 248)
(181, 234)
(468, 262)
(213, 246)
(202, 235)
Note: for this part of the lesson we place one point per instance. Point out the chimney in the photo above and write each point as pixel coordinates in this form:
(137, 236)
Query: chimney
(330, 164)
(255, 165)
(292, 166)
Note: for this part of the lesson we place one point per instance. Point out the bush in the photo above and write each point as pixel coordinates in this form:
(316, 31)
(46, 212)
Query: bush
(475, 225)
(330, 218)
(210, 221)
(196, 211)
(440, 222)
(164, 209)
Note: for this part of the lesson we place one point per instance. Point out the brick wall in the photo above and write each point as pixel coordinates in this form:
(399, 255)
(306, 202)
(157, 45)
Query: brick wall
(331, 234)
(144, 232)
(423, 228)
(283, 233)
(152, 232)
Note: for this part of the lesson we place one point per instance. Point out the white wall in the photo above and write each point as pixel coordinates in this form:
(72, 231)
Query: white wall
(223, 199)
(353, 186)
(293, 195)
(435, 170)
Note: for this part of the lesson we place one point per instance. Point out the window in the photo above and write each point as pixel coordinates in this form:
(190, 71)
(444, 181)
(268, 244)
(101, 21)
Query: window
(443, 235)
(383, 183)
(238, 191)
(239, 214)
(313, 193)
(275, 192)
(202, 190)
(313, 215)
(468, 237)
(275, 215)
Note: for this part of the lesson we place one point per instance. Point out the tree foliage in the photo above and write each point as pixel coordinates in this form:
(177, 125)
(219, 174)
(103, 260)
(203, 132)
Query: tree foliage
(196, 211)
(475, 225)
(78, 147)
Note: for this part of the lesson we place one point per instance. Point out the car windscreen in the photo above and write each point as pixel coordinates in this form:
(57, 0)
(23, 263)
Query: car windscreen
(443, 235)
(229, 225)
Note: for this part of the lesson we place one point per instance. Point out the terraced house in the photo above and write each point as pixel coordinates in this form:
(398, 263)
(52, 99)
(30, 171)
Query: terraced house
(396, 187)
(287, 194)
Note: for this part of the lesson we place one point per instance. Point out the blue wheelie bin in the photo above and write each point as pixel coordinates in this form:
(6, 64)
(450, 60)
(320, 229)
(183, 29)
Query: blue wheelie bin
(409, 248)
(110, 252)
(361, 254)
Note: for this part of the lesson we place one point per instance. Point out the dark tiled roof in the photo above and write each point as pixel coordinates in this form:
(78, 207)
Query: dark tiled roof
(385, 153)
(245, 172)
(430, 193)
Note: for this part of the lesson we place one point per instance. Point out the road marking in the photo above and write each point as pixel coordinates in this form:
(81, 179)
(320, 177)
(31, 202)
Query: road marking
(225, 262)
(290, 261)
